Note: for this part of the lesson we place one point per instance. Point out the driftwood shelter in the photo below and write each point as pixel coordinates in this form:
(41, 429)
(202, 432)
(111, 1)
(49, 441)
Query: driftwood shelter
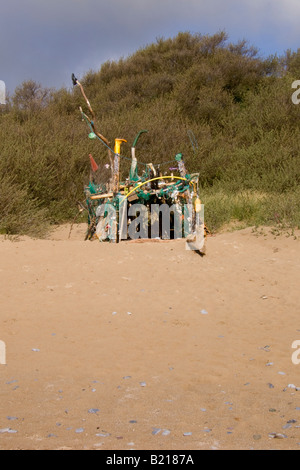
(146, 204)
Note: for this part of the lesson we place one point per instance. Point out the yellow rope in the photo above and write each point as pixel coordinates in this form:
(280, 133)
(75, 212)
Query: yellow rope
(153, 179)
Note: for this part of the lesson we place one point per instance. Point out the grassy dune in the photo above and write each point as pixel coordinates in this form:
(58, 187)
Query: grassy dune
(228, 110)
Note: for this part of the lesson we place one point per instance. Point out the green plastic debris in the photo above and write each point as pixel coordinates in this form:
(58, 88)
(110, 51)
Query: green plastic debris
(92, 188)
(137, 137)
(92, 135)
(178, 157)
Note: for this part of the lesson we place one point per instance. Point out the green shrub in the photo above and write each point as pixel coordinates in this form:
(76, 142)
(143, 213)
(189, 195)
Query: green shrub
(226, 109)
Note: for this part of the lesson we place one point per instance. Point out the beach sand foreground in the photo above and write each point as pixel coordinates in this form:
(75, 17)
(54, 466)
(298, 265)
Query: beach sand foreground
(149, 346)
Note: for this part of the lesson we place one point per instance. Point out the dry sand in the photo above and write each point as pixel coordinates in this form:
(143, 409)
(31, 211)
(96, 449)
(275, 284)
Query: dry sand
(149, 346)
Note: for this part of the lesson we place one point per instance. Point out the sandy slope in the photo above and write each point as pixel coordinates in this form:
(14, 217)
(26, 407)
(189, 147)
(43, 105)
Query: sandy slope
(149, 346)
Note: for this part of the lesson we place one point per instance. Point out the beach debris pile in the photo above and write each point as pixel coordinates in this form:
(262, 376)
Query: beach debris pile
(146, 204)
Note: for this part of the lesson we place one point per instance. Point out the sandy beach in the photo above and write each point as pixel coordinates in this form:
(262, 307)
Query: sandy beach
(150, 346)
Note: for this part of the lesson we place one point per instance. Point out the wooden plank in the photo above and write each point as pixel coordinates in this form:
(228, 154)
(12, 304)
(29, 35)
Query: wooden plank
(101, 196)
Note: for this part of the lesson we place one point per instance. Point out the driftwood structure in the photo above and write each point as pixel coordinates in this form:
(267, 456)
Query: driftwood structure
(144, 205)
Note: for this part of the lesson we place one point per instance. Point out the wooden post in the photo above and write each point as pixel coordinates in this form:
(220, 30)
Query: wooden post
(117, 151)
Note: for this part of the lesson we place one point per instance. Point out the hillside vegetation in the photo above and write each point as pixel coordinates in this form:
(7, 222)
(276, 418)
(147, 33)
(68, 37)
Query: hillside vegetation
(228, 111)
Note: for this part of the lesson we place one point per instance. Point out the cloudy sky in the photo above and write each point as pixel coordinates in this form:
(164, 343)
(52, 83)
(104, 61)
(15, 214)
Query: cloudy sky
(47, 40)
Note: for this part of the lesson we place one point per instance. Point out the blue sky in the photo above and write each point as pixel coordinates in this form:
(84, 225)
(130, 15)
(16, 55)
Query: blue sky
(48, 40)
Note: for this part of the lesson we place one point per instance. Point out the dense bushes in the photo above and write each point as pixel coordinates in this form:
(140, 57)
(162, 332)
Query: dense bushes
(226, 109)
